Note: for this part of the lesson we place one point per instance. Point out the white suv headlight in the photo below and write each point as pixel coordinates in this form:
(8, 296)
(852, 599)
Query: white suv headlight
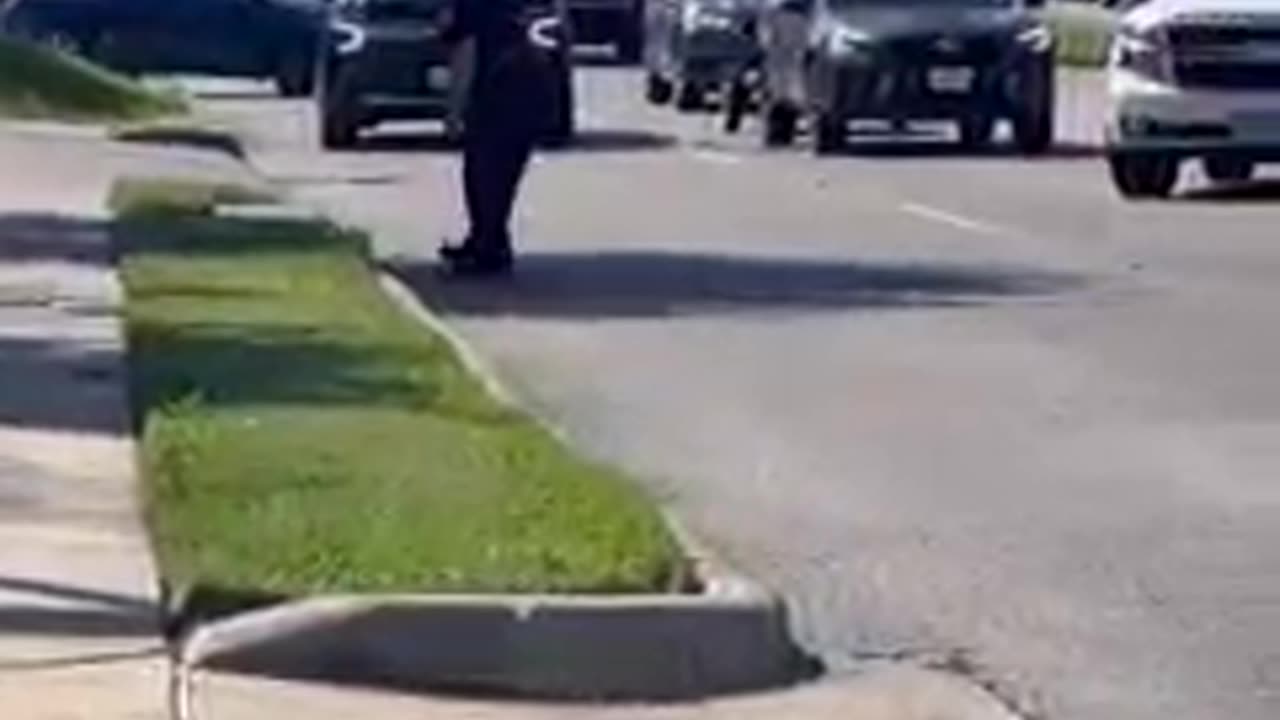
(1143, 52)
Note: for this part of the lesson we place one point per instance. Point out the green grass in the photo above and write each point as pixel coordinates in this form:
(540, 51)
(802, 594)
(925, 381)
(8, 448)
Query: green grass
(39, 83)
(301, 435)
(1083, 34)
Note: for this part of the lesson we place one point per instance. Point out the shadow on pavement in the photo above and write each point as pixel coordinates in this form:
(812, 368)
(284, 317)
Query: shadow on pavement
(668, 284)
(28, 365)
(33, 237)
(587, 141)
(912, 148)
(73, 611)
(1259, 192)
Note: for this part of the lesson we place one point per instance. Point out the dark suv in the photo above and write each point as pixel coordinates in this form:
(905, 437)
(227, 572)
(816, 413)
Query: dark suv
(694, 48)
(972, 61)
(274, 39)
(386, 60)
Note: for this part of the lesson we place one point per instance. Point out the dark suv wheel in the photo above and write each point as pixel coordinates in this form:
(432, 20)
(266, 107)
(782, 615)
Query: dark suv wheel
(830, 133)
(1144, 175)
(294, 75)
(631, 40)
(563, 126)
(339, 112)
(657, 89)
(1033, 125)
(779, 122)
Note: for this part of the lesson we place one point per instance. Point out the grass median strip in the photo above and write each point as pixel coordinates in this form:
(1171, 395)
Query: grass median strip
(39, 83)
(300, 435)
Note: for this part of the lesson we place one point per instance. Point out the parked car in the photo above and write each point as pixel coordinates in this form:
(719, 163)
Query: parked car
(274, 39)
(386, 60)
(694, 48)
(976, 62)
(619, 23)
(1193, 80)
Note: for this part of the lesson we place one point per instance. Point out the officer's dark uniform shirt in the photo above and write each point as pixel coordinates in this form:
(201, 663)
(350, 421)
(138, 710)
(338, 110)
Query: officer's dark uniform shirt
(507, 72)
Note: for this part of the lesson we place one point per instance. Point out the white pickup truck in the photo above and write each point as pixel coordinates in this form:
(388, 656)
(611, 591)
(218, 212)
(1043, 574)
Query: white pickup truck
(1193, 79)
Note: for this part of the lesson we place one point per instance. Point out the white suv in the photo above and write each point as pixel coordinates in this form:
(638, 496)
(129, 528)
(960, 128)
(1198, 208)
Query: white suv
(1193, 79)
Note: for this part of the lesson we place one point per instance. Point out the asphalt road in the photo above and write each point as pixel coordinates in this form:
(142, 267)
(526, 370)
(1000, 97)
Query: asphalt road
(973, 408)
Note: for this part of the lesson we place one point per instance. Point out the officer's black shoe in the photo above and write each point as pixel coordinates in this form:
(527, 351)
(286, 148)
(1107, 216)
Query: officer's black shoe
(465, 259)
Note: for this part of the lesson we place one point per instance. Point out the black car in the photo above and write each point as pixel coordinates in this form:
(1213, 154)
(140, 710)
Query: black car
(694, 48)
(619, 23)
(386, 60)
(975, 62)
(274, 39)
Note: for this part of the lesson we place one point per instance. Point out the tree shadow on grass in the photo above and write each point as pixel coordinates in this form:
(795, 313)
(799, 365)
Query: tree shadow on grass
(264, 364)
(258, 349)
(672, 284)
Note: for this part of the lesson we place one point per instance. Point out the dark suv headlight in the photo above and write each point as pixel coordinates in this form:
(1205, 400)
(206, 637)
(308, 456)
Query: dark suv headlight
(850, 45)
(1037, 39)
(346, 31)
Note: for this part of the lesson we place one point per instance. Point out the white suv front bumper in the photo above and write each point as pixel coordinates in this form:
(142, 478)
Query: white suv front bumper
(1148, 116)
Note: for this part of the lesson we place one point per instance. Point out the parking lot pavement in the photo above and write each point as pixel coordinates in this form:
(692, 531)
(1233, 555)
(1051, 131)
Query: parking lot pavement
(968, 408)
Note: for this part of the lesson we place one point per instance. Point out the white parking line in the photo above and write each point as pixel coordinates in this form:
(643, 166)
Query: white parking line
(720, 157)
(952, 219)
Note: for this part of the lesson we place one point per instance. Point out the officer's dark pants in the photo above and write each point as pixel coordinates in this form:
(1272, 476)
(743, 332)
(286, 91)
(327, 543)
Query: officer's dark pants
(494, 162)
(501, 132)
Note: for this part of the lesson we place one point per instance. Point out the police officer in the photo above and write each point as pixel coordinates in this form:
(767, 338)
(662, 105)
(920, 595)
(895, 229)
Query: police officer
(507, 108)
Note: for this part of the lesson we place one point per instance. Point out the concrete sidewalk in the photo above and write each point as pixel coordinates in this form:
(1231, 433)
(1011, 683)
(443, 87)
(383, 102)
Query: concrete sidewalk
(78, 630)
(888, 693)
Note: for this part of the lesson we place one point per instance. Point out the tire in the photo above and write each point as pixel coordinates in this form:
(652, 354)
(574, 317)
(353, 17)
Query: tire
(1144, 175)
(691, 98)
(1033, 127)
(830, 134)
(977, 131)
(339, 114)
(779, 125)
(657, 89)
(563, 127)
(630, 45)
(295, 77)
(1228, 170)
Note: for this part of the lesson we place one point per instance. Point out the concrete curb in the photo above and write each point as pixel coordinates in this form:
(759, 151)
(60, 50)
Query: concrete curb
(732, 635)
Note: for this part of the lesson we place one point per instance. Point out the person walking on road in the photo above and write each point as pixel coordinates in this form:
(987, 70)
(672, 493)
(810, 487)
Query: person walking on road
(508, 104)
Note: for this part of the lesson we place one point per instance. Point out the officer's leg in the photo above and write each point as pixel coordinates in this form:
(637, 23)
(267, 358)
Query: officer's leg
(511, 160)
(476, 161)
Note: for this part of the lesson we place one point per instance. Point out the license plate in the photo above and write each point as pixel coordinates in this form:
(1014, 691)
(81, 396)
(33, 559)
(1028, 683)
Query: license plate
(951, 79)
(439, 78)
(1257, 125)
